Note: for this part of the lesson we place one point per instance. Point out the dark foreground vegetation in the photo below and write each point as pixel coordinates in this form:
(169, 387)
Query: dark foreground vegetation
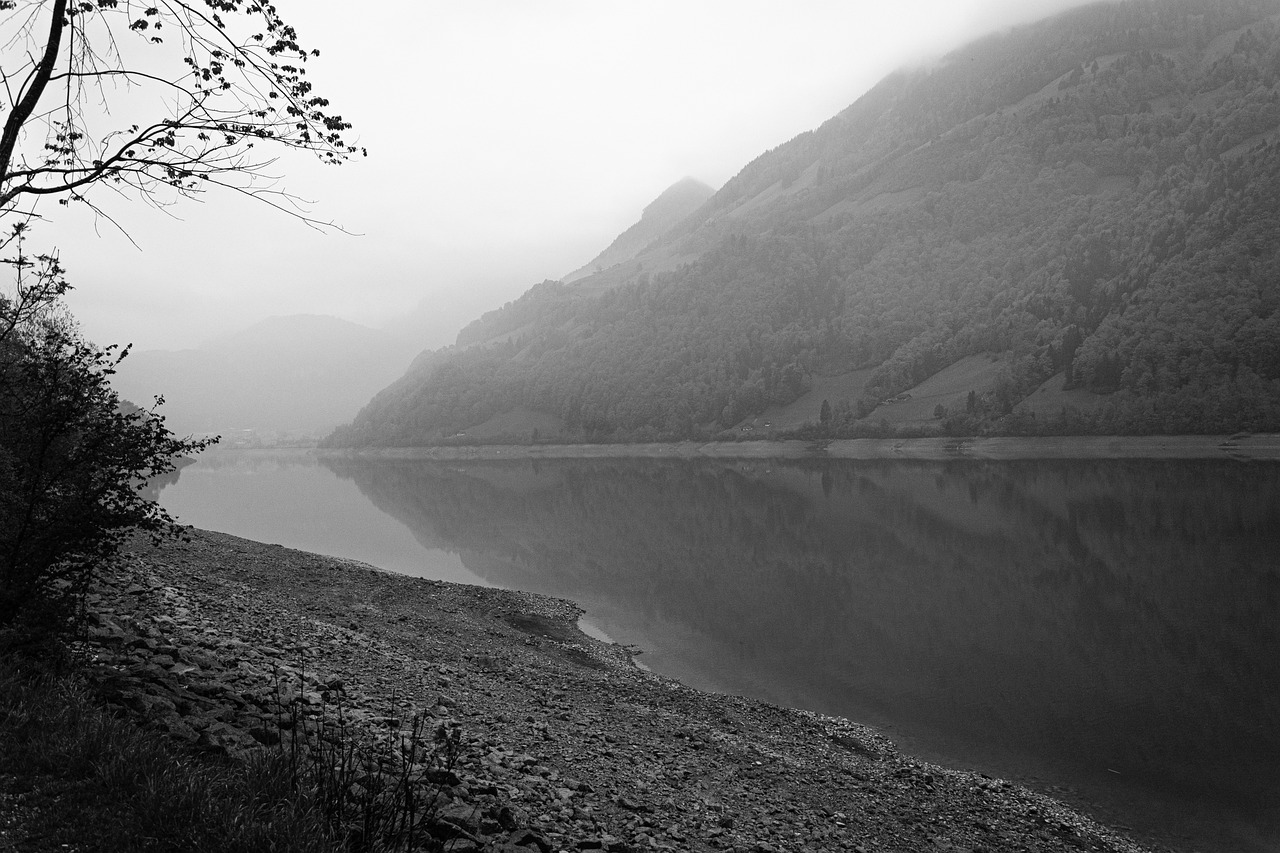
(75, 459)
(1093, 197)
(75, 774)
(75, 768)
(74, 771)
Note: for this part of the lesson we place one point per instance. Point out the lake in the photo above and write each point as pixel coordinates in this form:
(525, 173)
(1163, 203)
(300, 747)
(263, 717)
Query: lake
(1104, 631)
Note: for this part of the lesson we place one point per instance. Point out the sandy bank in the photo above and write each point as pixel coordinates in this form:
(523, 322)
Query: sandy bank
(1250, 447)
(567, 745)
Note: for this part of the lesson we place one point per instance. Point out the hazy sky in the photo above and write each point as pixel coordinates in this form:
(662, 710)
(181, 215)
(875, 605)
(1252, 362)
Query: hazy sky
(509, 141)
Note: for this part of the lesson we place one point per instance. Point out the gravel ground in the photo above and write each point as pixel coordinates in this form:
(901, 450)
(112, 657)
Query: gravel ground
(566, 745)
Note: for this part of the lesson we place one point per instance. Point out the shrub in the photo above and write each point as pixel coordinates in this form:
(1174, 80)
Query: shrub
(73, 459)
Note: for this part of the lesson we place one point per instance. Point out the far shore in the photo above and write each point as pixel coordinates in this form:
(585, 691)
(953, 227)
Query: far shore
(1263, 447)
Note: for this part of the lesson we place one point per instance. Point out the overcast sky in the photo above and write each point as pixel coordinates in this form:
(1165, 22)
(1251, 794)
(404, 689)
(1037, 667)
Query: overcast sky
(509, 141)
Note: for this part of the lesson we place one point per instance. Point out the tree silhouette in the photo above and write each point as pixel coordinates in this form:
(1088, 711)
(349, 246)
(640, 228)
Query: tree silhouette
(164, 100)
(160, 101)
(72, 456)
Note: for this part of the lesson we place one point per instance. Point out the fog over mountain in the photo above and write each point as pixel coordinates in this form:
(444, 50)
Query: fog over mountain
(299, 375)
(508, 143)
(289, 379)
(1065, 227)
(659, 216)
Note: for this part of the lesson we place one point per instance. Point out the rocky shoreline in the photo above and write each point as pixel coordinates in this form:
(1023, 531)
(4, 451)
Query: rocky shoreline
(565, 744)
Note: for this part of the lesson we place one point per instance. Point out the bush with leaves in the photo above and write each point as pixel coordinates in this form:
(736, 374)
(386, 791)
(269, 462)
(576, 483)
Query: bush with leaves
(73, 458)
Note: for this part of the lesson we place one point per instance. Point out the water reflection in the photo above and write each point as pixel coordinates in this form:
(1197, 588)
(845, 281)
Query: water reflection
(288, 498)
(1109, 626)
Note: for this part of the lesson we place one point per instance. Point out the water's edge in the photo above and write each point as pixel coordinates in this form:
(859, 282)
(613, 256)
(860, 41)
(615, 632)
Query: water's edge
(494, 517)
(1242, 447)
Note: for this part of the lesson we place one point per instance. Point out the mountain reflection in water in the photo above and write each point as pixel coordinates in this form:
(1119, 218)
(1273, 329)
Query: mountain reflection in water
(1113, 627)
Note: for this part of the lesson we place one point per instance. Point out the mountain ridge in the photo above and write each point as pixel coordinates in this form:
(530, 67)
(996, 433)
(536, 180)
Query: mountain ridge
(1087, 196)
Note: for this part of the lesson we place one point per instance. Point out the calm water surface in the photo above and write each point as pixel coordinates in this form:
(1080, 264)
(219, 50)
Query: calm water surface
(288, 498)
(1105, 631)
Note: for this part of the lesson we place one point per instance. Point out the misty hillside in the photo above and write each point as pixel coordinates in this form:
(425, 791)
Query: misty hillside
(660, 216)
(1070, 227)
(301, 374)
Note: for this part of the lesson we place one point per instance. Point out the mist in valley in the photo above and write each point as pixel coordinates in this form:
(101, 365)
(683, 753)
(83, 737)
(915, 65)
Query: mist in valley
(500, 166)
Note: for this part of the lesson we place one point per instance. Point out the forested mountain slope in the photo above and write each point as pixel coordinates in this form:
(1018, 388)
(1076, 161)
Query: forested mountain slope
(1097, 195)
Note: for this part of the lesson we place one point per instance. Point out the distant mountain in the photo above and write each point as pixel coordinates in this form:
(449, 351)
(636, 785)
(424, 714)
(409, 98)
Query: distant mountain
(1071, 225)
(301, 374)
(660, 216)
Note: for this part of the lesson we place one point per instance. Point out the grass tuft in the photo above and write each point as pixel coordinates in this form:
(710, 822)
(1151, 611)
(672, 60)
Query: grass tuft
(75, 777)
